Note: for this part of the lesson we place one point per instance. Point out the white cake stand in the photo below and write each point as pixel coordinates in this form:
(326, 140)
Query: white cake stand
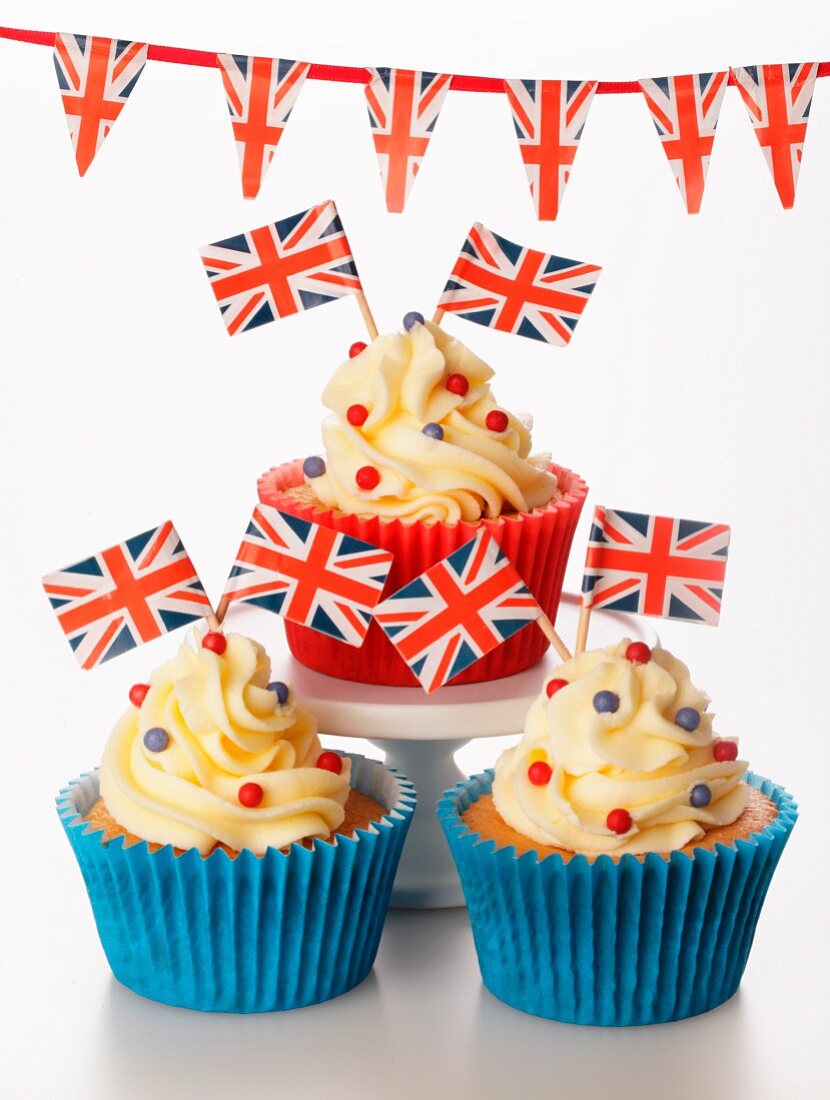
(420, 734)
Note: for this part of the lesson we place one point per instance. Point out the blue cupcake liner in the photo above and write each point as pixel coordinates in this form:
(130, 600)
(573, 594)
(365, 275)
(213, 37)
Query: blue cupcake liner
(251, 934)
(613, 943)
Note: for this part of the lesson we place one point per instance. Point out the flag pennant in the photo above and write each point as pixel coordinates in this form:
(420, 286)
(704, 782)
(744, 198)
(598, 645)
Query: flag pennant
(403, 109)
(293, 265)
(309, 574)
(685, 111)
(778, 99)
(126, 595)
(261, 92)
(656, 565)
(549, 116)
(96, 77)
(512, 288)
(457, 611)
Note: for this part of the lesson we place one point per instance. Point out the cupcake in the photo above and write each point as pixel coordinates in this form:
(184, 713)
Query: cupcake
(417, 456)
(616, 860)
(233, 865)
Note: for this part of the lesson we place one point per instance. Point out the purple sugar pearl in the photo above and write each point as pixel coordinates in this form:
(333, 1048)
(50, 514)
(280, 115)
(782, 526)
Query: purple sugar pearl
(411, 319)
(156, 739)
(606, 702)
(701, 796)
(280, 690)
(433, 430)
(688, 719)
(314, 466)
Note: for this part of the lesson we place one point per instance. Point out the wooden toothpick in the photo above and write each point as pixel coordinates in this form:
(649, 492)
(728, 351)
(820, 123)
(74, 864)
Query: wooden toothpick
(582, 629)
(367, 314)
(438, 316)
(547, 628)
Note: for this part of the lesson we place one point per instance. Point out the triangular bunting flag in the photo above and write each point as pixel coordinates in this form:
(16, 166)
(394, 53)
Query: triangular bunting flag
(403, 109)
(685, 110)
(549, 116)
(261, 92)
(96, 76)
(778, 99)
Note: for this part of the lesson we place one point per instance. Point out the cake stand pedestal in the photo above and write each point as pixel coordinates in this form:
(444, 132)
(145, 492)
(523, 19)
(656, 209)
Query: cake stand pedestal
(420, 734)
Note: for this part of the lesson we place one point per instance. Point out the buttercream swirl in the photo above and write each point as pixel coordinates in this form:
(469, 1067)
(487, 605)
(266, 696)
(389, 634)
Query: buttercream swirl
(225, 728)
(471, 472)
(637, 758)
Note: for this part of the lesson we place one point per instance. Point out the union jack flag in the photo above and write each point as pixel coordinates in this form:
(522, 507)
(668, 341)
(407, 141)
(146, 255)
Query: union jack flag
(685, 111)
(512, 288)
(549, 116)
(457, 611)
(778, 99)
(656, 565)
(403, 110)
(309, 574)
(95, 76)
(295, 264)
(261, 92)
(129, 594)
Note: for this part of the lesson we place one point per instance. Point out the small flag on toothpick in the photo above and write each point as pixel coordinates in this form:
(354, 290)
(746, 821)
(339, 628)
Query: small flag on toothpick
(126, 595)
(309, 574)
(506, 286)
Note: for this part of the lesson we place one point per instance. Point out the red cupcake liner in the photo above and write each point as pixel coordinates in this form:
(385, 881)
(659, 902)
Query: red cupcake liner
(538, 544)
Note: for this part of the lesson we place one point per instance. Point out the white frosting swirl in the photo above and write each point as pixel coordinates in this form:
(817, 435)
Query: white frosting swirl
(225, 729)
(472, 472)
(636, 759)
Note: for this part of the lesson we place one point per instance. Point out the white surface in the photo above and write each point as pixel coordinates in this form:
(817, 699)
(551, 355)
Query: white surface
(697, 383)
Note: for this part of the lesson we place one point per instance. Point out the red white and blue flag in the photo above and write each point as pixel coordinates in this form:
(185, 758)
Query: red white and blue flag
(685, 111)
(295, 264)
(96, 77)
(549, 116)
(403, 109)
(261, 92)
(309, 574)
(778, 99)
(512, 288)
(127, 595)
(656, 565)
(457, 611)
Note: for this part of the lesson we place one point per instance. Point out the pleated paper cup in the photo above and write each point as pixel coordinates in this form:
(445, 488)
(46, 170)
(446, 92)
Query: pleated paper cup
(250, 934)
(538, 544)
(614, 943)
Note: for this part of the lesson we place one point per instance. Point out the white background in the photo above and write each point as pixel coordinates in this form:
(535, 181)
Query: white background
(696, 385)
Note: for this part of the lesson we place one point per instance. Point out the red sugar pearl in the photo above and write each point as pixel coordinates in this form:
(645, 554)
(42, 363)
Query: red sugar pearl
(638, 653)
(496, 421)
(357, 415)
(367, 477)
(457, 384)
(725, 750)
(619, 821)
(215, 642)
(330, 762)
(250, 795)
(356, 349)
(539, 773)
(138, 693)
(555, 685)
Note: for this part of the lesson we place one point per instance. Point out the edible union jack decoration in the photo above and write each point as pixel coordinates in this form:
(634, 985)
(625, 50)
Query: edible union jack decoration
(126, 595)
(656, 565)
(512, 288)
(549, 116)
(403, 109)
(457, 611)
(778, 99)
(685, 111)
(295, 264)
(96, 76)
(261, 92)
(309, 574)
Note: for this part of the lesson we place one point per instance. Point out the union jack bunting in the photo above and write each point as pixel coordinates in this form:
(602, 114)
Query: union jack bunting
(295, 264)
(512, 288)
(261, 92)
(129, 594)
(403, 110)
(549, 116)
(309, 574)
(685, 111)
(457, 611)
(95, 76)
(778, 99)
(656, 565)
